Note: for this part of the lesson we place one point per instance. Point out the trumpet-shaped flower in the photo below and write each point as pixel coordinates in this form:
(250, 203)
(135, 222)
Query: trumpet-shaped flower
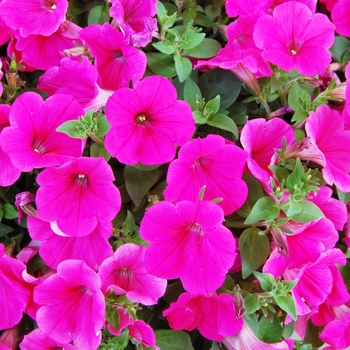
(295, 38)
(32, 140)
(188, 240)
(42, 17)
(213, 315)
(72, 305)
(209, 162)
(147, 122)
(78, 195)
(117, 62)
(125, 272)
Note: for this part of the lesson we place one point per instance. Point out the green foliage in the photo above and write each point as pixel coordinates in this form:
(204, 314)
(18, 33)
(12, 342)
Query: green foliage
(173, 340)
(264, 209)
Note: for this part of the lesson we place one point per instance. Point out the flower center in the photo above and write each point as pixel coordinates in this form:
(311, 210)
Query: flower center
(201, 161)
(142, 120)
(49, 4)
(196, 229)
(38, 146)
(118, 55)
(81, 179)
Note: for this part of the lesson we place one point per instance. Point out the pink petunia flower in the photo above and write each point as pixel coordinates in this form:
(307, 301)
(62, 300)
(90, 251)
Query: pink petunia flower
(78, 195)
(337, 334)
(14, 290)
(259, 139)
(340, 17)
(135, 20)
(147, 122)
(44, 52)
(325, 127)
(76, 78)
(56, 247)
(125, 272)
(295, 38)
(5, 32)
(9, 174)
(117, 62)
(73, 306)
(209, 162)
(245, 7)
(213, 315)
(32, 140)
(34, 17)
(188, 241)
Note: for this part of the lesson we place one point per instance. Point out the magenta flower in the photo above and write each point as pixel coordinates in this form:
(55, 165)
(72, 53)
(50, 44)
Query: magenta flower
(9, 174)
(341, 17)
(325, 127)
(337, 334)
(32, 140)
(73, 306)
(78, 195)
(188, 240)
(76, 78)
(41, 17)
(147, 122)
(125, 272)
(134, 18)
(245, 7)
(117, 63)
(259, 139)
(44, 52)
(56, 247)
(209, 162)
(213, 315)
(295, 38)
(14, 290)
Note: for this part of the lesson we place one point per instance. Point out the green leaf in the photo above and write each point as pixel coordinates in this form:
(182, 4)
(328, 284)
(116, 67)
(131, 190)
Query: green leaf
(129, 224)
(199, 117)
(300, 115)
(286, 303)
(168, 339)
(254, 250)
(138, 182)
(192, 93)
(215, 82)
(9, 211)
(344, 197)
(119, 342)
(269, 332)
(296, 178)
(266, 280)
(191, 40)
(188, 14)
(165, 46)
(340, 45)
(223, 122)
(202, 20)
(70, 128)
(264, 209)
(212, 12)
(161, 64)
(1, 215)
(251, 303)
(112, 317)
(206, 49)
(102, 126)
(98, 15)
(297, 97)
(183, 67)
(308, 212)
(97, 150)
(212, 106)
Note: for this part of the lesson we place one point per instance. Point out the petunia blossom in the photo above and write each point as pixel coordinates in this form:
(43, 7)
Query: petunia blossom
(117, 62)
(78, 195)
(56, 247)
(295, 38)
(125, 272)
(325, 127)
(337, 334)
(245, 7)
(35, 16)
(188, 240)
(213, 315)
(147, 122)
(31, 140)
(72, 305)
(209, 162)
(340, 17)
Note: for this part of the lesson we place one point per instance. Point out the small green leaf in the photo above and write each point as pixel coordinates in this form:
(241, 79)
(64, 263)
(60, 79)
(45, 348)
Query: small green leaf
(98, 15)
(340, 45)
(343, 196)
(251, 303)
(138, 182)
(119, 342)
(191, 40)
(129, 224)
(161, 64)
(223, 122)
(102, 126)
(254, 250)
(70, 128)
(297, 97)
(296, 178)
(286, 303)
(199, 117)
(9, 211)
(266, 280)
(308, 212)
(168, 339)
(183, 67)
(269, 332)
(165, 46)
(112, 317)
(1, 216)
(300, 115)
(192, 93)
(212, 106)
(206, 49)
(264, 209)
(97, 150)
